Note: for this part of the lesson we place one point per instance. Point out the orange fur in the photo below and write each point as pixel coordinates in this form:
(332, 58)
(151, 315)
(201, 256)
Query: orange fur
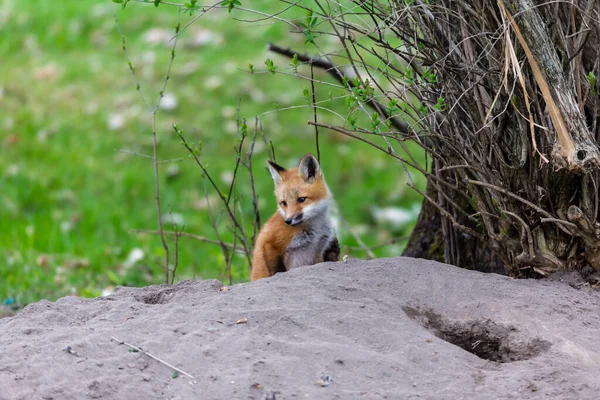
(274, 238)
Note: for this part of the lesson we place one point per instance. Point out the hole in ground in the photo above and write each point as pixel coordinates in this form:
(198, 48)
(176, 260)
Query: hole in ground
(485, 339)
(154, 296)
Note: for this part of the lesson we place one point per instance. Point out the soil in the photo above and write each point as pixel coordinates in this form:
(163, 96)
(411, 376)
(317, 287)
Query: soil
(396, 328)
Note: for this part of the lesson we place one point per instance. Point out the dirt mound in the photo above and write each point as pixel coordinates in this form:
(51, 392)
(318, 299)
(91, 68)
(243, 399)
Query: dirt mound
(384, 329)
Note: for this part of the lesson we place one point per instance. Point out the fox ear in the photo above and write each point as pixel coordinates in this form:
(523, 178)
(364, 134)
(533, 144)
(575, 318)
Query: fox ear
(309, 168)
(275, 171)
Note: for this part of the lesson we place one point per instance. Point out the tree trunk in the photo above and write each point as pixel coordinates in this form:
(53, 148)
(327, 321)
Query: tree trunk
(428, 241)
(526, 112)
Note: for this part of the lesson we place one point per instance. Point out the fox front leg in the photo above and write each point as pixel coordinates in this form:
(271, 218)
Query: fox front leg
(332, 252)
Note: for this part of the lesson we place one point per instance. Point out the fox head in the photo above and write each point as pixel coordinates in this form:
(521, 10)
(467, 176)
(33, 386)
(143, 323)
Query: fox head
(301, 192)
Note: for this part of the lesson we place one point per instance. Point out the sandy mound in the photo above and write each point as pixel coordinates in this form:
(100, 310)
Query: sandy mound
(390, 328)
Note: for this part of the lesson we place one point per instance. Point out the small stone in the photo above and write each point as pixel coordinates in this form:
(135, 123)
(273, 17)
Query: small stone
(324, 381)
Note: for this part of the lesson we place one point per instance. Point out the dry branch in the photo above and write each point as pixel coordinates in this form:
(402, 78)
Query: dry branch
(337, 74)
(575, 147)
(139, 349)
(192, 236)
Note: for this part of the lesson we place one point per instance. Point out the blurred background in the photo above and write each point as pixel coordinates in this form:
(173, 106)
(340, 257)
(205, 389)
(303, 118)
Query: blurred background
(74, 182)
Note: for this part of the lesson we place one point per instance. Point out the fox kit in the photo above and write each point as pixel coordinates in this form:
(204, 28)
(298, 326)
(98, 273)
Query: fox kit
(300, 233)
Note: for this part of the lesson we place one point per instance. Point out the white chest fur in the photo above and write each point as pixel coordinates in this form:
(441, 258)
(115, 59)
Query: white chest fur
(308, 246)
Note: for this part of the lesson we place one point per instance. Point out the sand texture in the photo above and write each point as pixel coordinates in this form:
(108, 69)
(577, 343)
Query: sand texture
(382, 329)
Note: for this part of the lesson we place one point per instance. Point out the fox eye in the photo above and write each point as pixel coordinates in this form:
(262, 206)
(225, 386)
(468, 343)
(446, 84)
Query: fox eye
(283, 203)
(301, 199)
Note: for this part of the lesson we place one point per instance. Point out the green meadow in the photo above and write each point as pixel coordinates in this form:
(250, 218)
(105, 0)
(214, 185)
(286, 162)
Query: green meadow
(75, 138)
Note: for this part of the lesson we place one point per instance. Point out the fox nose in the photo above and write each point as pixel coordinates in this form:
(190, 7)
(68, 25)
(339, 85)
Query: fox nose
(295, 219)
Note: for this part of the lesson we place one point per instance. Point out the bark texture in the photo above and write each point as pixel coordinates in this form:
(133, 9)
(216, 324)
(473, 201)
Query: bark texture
(460, 249)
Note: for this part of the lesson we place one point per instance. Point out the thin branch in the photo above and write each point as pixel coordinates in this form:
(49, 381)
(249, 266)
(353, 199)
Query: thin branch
(380, 245)
(314, 104)
(540, 210)
(359, 241)
(153, 111)
(139, 349)
(230, 260)
(248, 165)
(231, 214)
(241, 128)
(177, 236)
(224, 249)
(334, 72)
(192, 236)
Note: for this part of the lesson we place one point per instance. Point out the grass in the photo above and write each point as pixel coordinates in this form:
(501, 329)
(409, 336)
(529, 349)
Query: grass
(69, 196)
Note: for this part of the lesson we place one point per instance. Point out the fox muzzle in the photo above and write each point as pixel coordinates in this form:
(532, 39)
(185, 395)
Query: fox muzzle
(294, 220)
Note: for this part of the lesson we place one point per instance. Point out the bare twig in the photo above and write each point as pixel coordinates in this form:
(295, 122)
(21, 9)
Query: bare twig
(177, 236)
(191, 236)
(139, 349)
(540, 210)
(241, 128)
(248, 165)
(230, 260)
(153, 111)
(380, 245)
(314, 106)
(362, 244)
(230, 212)
(333, 71)
(224, 249)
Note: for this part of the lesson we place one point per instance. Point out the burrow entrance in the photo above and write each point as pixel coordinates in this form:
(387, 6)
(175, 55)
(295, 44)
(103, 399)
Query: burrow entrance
(484, 338)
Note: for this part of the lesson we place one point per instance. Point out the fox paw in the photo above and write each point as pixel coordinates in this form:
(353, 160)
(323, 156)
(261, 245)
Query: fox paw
(332, 253)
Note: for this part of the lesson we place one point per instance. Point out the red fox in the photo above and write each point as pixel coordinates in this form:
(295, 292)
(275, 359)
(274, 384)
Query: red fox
(301, 232)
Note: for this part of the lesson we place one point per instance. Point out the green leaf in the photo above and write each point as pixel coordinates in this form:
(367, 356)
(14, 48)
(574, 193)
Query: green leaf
(231, 4)
(310, 19)
(375, 120)
(117, 1)
(429, 76)
(592, 81)
(352, 120)
(271, 67)
(345, 81)
(441, 104)
(191, 7)
(408, 75)
(310, 38)
(294, 63)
